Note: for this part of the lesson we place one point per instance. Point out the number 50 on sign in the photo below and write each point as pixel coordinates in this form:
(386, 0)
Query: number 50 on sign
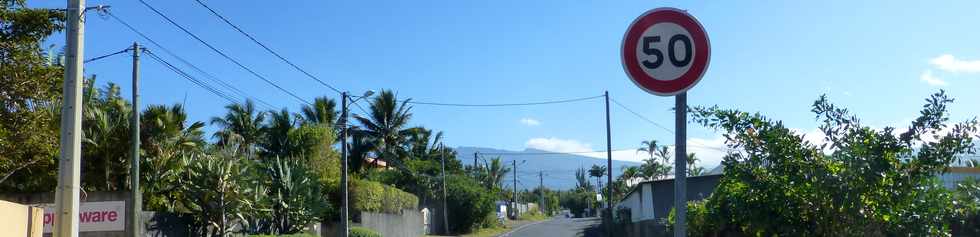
(665, 51)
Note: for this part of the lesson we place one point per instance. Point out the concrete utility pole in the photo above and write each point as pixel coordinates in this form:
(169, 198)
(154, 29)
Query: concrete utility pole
(445, 208)
(541, 190)
(515, 188)
(69, 165)
(680, 164)
(344, 226)
(134, 174)
(609, 168)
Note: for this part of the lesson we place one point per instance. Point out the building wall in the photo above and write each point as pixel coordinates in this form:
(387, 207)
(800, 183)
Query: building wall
(20, 220)
(653, 200)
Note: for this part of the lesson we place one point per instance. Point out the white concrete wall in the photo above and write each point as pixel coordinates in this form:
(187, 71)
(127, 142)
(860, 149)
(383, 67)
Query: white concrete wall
(640, 203)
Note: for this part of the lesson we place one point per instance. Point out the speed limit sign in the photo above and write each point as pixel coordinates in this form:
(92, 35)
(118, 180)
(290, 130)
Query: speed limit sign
(665, 51)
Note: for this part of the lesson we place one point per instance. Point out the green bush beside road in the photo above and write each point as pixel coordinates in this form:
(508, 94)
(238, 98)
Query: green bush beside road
(470, 205)
(370, 196)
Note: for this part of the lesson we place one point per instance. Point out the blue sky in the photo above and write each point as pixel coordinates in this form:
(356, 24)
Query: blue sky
(880, 59)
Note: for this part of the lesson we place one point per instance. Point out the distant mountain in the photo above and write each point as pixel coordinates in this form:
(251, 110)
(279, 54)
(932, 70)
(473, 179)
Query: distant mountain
(558, 169)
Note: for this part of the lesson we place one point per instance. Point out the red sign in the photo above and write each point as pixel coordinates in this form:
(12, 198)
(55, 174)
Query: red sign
(665, 51)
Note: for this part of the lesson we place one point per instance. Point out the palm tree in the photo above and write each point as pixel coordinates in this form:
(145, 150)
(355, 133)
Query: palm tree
(692, 168)
(650, 147)
(657, 165)
(106, 141)
(630, 173)
(421, 144)
(582, 181)
(384, 128)
(240, 126)
(166, 127)
(597, 172)
(275, 140)
(323, 111)
(166, 140)
(494, 173)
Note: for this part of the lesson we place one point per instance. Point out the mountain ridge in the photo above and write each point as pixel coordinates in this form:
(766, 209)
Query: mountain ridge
(557, 169)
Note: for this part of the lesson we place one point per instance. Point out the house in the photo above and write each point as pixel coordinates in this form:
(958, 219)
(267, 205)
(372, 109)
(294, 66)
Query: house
(375, 163)
(649, 202)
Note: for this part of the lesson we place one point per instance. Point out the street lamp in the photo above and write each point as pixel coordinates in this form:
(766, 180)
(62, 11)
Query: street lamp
(345, 226)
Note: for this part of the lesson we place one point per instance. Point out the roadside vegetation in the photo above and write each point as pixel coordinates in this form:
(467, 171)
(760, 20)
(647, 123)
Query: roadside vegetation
(263, 170)
(861, 181)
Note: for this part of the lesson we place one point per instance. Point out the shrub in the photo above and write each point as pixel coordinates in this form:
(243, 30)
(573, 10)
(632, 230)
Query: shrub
(861, 181)
(578, 201)
(369, 196)
(358, 231)
(490, 221)
(469, 206)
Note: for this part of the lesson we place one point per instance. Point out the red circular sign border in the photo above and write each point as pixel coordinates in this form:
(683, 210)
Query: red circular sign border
(693, 74)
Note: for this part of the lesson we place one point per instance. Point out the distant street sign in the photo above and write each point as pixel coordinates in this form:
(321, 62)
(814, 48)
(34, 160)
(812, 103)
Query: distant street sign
(665, 51)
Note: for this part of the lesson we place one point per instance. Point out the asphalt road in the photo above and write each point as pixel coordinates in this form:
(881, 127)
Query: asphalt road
(560, 227)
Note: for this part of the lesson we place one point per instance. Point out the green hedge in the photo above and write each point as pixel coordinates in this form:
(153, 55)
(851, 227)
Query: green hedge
(358, 231)
(370, 196)
(470, 205)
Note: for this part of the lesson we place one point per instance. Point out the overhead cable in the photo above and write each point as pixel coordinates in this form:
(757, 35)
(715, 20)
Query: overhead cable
(273, 52)
(189, 64)
(219, 52)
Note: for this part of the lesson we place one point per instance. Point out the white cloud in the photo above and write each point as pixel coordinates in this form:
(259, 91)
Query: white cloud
(947, 62)
(558, 145)
(927, 77)
(708, 151)
(530, 122)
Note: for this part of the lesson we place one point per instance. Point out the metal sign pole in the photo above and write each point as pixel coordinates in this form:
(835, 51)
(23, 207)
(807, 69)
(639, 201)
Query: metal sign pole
(680, 165)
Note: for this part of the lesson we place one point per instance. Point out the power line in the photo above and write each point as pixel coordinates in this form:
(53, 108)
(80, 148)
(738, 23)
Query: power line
(229, 58)
(191, 78)
(503, 104)
(106, 56)
(224, 84)
(644, 118)
(215, 13)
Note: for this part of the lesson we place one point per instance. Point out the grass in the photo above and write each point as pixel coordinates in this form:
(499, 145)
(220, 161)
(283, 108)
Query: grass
(534, 216)
(487, 232)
